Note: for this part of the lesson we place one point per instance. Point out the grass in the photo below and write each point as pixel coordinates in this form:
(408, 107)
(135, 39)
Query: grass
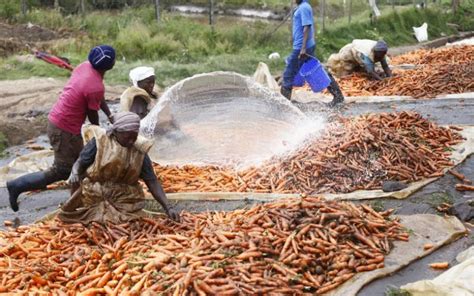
(438, 198)
(3, 144)
(393, 291)
(179, 46)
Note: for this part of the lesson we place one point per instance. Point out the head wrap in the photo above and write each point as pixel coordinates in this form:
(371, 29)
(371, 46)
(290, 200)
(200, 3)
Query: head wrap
(140, 73)
(125, 122)
(380, 46)
(102, 57)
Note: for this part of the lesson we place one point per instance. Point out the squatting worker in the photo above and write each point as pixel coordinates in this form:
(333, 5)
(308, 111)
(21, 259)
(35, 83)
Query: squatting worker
(304, 46)
(82, 97)
(360, 56)
(105, 177)
(140, 97)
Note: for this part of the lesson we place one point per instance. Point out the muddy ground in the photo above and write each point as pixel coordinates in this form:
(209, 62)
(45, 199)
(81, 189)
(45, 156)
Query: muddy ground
(25, 104)
(448, 111)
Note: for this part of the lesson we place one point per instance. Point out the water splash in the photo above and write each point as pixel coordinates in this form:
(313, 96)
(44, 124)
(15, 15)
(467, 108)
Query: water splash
(225, 118)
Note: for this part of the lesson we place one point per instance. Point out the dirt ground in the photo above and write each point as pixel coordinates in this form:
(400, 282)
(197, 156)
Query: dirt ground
(22, 37)
(25, 105)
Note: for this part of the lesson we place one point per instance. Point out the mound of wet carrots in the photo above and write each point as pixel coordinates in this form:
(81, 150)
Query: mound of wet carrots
(437, 72)
(353, 154)
(300, 246)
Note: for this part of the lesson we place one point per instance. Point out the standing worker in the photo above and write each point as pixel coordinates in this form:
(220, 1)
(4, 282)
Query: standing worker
(82, 97)
(105, 177)
(140, 97)
(304, 46)
(360, 56)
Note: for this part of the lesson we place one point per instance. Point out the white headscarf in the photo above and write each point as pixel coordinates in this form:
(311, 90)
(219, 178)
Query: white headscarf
(140, 73)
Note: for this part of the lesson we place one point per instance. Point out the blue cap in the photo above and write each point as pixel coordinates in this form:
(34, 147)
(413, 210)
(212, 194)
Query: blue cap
(102, 57)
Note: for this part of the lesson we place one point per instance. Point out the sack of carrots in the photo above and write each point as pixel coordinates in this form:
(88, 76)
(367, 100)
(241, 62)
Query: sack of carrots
(296, 246)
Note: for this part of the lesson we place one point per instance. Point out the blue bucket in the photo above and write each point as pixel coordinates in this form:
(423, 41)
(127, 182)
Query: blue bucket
(313, 72)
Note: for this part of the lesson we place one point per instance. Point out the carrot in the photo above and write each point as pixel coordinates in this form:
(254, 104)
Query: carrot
(464, 187)
(439, 265)
(366, 268)
(247, 255)
(136, 289)
(121, 268)
(428, 246)
(92, 292)
(39, 280)
(77, 272)
(104, 279)
(87, 278)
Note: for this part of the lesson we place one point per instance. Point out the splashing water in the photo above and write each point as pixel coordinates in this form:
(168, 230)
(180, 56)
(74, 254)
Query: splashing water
(225, 118)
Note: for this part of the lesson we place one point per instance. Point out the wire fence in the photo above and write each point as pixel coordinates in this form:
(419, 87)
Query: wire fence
(326, 12)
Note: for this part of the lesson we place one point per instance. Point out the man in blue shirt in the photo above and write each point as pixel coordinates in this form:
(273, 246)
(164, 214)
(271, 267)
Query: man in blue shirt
(304, 45)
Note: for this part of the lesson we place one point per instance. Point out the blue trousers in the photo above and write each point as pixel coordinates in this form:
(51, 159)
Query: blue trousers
(293, 66)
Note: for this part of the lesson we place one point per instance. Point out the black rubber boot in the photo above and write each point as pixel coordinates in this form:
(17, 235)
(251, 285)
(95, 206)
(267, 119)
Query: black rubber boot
(28, 182)
(286, 92)
(335, 90)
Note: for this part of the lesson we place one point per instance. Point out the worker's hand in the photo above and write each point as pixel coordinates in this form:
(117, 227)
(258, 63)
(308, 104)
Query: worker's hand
(111, 118)
(303, 56)
(74, 179)
(173, 214)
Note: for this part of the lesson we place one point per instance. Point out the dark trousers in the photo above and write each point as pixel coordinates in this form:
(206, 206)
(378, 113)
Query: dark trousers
(67, 148)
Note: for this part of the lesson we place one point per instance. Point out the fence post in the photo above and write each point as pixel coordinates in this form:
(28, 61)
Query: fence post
(157, 10)
(211, 13)
(83, 6)
(350, 11)
(323, 14)
(24, 7)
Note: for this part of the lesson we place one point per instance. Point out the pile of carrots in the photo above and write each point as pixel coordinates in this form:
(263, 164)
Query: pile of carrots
(438, 71)
(353, 154)
(296, 246)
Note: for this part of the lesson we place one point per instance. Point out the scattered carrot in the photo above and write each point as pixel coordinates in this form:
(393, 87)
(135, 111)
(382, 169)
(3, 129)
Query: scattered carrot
(464, 187)
(439, 265)
(427, 247)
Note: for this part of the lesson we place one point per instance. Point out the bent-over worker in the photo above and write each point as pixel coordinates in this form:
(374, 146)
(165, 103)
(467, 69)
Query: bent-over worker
(82, 97)
(304, 47)
(105, 178)
(360, 55)
(140, 97)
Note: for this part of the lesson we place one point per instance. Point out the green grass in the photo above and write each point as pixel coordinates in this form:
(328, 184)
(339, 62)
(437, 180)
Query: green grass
(438, 198)
(3, 144)
(393, 291)
(179, 47)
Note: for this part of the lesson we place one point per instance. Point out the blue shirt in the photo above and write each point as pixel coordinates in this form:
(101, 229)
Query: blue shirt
(303, 16)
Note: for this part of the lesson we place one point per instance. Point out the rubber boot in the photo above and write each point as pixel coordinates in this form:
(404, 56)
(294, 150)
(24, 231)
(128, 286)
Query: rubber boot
(28, 182)
(335, 90)
(286, 92)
